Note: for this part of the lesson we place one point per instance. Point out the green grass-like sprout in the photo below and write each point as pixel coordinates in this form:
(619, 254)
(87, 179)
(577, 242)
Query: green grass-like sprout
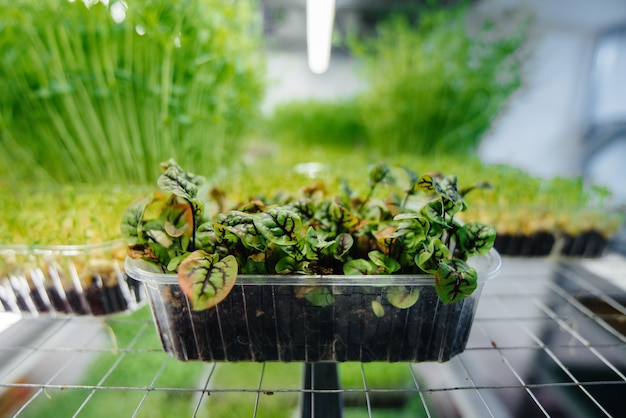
(102, 91)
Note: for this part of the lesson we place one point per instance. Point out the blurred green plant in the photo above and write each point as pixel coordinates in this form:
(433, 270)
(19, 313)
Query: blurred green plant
(315, 122)
(518, 197)
(435, 86)
(103, 91)
(63, 214)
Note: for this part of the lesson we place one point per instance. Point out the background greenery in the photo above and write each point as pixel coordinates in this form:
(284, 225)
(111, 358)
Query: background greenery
(434, 85)
(97, 93)
(334, 123)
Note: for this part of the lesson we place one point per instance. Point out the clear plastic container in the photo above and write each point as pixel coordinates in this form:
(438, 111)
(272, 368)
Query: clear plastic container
(313, 318)
(67, 279)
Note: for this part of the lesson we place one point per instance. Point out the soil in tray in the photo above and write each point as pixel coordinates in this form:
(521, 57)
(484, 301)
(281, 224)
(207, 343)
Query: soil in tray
(174, 322)
(59, 303)
(76, 302)
(586, 244)
(103, 290)
(272, 323)
(5, 305)
(537, 244)
(21, 303)
(103, 300)
(40, 304)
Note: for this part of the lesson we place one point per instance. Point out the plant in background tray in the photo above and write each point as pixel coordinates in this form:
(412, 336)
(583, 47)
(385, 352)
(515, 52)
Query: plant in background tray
(59, 251)
(66, 279)
(539, 217)
(312, 276)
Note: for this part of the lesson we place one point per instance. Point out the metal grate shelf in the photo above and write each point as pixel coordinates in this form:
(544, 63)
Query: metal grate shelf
(549, 339)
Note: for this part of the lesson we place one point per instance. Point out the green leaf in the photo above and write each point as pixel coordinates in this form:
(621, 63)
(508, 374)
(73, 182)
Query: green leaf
(342, 216)
(435, 212)
(286, 265)
(449, 187)
(402, 297)
(435, 230)
(190, 177)
(443, 186)
(319, 296)
(304, 207)
(206, 238)
(153, 252)
(225, 236)
(433, 251)
(317, 239)
(343, 243)
(205, 280)
(387, 264)
(280, 226)
(476, 238)
(407, 215)
(411, 230)
(359, 266)
(175, 262)
(242, 225)
(455, 280)
(380, 173)
(177, 221)
(160, 237)
(174, 180)
(428, 183)
(452, 207)
(132, 217)
(255, 264)
(378, 308)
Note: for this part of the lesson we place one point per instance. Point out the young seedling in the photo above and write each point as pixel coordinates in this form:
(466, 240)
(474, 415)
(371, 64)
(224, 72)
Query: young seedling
(410, 231)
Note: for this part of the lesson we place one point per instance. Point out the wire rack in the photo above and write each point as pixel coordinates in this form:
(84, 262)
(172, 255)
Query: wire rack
(549, 339)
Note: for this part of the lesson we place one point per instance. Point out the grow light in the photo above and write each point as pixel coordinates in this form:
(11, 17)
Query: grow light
(320, 15)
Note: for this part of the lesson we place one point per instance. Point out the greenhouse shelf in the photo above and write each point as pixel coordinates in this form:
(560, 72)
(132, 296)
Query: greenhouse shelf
(549, 339)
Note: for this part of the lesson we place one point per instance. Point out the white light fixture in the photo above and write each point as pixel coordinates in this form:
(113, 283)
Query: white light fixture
(320, 17)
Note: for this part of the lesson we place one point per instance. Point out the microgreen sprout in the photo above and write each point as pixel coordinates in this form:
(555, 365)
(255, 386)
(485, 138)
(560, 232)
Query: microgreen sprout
(314, 233)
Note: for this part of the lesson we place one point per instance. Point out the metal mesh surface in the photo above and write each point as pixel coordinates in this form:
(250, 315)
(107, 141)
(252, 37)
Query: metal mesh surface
(549, 339)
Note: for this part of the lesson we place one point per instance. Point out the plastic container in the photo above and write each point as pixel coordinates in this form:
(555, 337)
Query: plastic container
(313, 318)
(72, 279)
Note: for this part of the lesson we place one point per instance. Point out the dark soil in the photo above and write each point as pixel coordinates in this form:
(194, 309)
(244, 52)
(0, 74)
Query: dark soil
(6, 306)
(58, 301)
(21, 303)
(587, 244)
(38, 300)
(95, 299)
(535, 245)
(271, 323)
(105, 300)
(77, 302)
